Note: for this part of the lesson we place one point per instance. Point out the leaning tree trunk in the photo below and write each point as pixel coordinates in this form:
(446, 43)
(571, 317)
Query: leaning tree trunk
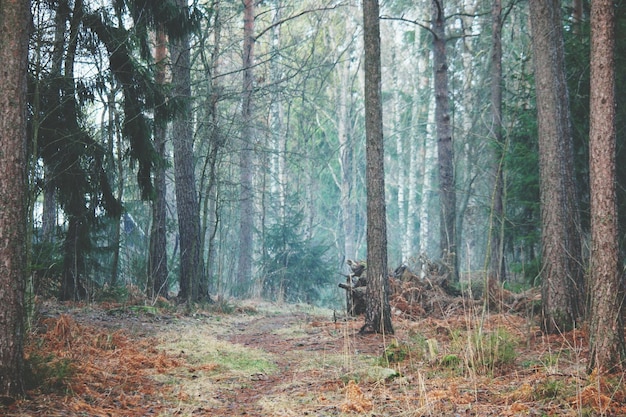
(14, 25)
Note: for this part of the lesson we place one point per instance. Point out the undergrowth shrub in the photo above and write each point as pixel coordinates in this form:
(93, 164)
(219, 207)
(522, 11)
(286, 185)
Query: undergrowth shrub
(395, 352)
(48, 373)
(484, 352)
(114, 294)
(491, 351)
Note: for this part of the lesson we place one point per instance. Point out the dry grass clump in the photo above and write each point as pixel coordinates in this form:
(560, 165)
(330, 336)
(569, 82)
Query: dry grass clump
(355, 400)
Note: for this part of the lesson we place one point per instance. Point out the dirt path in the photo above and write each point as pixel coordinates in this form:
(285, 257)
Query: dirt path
(284, 361)
(307, 356)
(265, 334)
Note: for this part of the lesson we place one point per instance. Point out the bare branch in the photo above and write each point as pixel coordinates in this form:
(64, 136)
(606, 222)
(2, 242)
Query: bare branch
(295, 16)
(414, 22)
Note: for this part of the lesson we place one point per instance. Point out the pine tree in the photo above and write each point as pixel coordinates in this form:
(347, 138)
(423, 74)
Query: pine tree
(378, 311)
(14, 26)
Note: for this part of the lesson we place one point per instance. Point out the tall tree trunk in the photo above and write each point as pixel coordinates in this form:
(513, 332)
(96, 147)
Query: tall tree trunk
(210, 203)
(562, 279)
(192, 282)
(378, 311)
(401, 157)
(157, 256)
(606, 328)
(115, 132)
(246, 168)
(577, 15)
(445, 148)
(14, 25)
(427, 158)
(76, 241)
(346, 162)
(49, 215)
(279, 141)
(496, 243)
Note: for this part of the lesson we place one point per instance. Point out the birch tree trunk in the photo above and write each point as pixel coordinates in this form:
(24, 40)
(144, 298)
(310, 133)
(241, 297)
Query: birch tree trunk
(396, 131)
(428, 159)
(425, 149)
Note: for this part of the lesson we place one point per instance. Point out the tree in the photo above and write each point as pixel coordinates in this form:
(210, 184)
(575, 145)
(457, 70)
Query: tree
(209, 180)
(497, 268)
(378, 311)
(606, 328)
(246, 196)
(157, 256)
(14, 25)
(562, 279)
(445, 148)
(192, 282)
(71, 153)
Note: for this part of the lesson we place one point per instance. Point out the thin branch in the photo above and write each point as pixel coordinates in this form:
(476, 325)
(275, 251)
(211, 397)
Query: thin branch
(414, 22)
(421, 25)
(509, 8)
(295, 16)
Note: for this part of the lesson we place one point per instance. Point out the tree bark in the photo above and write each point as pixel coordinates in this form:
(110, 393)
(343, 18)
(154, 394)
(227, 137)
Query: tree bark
(401, 157)
(217, 140)
(496, 243)
(157, 257)
(115, 164)
(246, 168)
(346, 162)
(71, 176)
(49, 215)
(278, 178)
(606, 329)
(14, 24)
(562, 279)
(378, 311)
(445, 148)
(192, 282)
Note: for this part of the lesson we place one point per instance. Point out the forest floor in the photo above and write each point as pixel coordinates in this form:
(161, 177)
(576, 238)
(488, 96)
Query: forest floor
(261, 359)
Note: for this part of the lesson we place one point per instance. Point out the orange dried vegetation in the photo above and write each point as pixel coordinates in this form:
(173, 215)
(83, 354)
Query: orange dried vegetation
(111, 375)
(355, 400)
(603, 397)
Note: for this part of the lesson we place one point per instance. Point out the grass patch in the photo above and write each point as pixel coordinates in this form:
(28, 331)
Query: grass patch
(204, 349)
